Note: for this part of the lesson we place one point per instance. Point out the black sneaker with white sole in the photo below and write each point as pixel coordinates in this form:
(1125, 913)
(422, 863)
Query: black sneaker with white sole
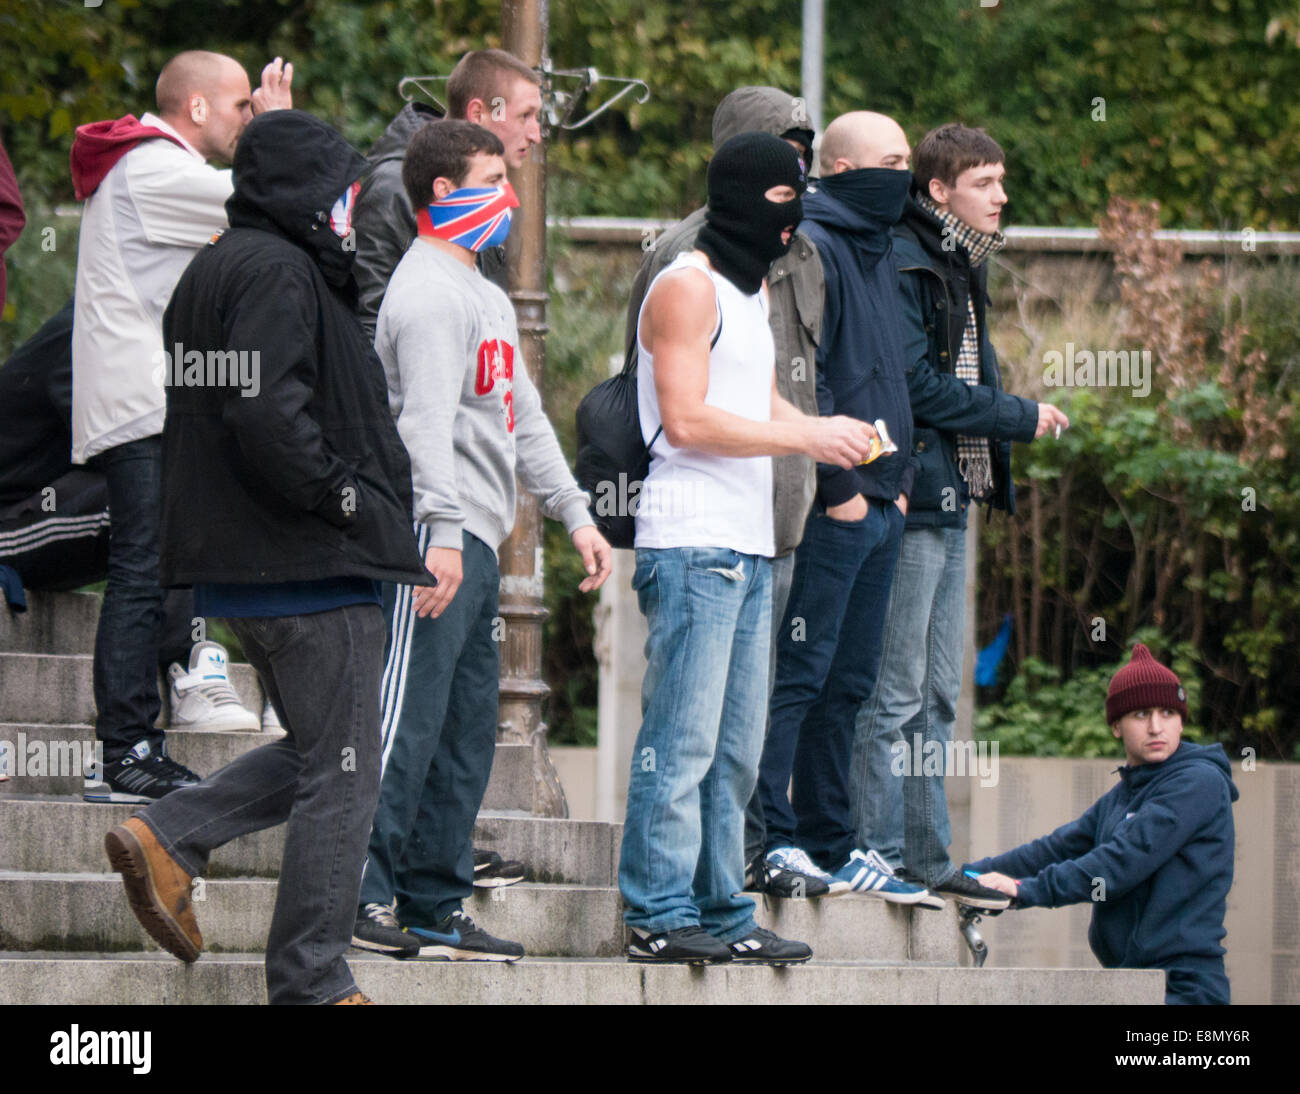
(762, 947)
(968, 891)
(458, 938)
(683, 946)
(378, 931)
(138, 778)
(491, 871)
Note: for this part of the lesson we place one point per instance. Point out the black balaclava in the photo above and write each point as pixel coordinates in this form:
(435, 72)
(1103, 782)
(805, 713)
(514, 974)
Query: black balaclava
(742, 229)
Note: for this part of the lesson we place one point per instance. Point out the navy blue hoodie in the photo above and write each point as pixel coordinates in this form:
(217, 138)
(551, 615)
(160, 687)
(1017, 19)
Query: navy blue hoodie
(860, 363)
(1162, 842)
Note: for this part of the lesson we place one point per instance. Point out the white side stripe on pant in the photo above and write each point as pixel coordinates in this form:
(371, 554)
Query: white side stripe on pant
(32, 536)
(393, 687)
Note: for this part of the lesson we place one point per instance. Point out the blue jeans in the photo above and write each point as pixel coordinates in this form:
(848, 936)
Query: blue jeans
(696, 756)
(828, 650)
(905, 817)
(321, 672)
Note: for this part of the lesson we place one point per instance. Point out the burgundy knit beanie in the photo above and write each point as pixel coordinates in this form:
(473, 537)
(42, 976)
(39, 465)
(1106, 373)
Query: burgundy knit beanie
(1143, 684)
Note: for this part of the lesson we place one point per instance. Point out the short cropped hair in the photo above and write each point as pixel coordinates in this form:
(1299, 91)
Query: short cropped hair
(443, 149)
(946, 152)
(484, 74)
(194, 70)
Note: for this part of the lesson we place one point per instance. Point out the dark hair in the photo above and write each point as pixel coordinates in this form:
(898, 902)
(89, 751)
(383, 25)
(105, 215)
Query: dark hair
(484, 74)
(946, 152)
(442, 150)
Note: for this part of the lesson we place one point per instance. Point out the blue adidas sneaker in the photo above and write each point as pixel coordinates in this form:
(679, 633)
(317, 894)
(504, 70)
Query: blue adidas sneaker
(870, 874)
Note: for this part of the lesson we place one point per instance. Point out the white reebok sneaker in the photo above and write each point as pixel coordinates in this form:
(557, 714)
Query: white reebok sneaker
(203, 698)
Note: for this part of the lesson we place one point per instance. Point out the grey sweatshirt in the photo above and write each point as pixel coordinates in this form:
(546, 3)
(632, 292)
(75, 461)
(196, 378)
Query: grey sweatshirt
(465, 407)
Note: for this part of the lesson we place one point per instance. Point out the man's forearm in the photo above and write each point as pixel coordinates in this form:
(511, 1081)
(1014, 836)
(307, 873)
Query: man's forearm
(721, 433)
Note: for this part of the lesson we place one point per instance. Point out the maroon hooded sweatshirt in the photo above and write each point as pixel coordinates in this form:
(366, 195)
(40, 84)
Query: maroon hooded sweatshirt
(99, 145)
(12, 217)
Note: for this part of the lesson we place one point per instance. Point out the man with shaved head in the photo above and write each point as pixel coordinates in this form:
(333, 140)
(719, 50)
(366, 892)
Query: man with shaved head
(152, 201)
(829, 639)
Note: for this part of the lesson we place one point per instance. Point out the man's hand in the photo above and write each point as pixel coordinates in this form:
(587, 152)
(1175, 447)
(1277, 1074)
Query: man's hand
(1049, 417)
(275, 92)
(445, 564)
(1000, 882)
(853, 509)
(597, 557)
(901, 502)
(845, 442)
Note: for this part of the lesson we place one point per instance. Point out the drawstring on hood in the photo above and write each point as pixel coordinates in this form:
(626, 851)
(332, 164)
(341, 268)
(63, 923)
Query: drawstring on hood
(289, 171)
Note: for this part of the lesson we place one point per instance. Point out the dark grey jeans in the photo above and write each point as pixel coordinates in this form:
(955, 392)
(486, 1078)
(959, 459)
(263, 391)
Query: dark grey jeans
(321, 672)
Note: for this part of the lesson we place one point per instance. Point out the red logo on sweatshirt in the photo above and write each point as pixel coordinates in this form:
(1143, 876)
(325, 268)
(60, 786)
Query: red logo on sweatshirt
(496, 361)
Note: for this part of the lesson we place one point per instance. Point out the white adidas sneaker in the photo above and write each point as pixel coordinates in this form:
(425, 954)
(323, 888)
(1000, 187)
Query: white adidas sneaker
(203, 698)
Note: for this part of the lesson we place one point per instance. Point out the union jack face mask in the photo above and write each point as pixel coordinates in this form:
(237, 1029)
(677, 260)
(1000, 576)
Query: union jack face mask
(341, 214)
(473, 217)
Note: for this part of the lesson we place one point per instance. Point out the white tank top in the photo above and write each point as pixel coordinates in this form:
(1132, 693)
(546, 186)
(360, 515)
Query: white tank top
(691, 498)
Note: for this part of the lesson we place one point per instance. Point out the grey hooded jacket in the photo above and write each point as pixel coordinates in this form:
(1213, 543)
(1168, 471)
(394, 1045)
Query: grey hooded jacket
(796, 287)
(384, 221)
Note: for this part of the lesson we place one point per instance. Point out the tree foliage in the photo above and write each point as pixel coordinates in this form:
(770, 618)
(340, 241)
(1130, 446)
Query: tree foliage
(1190, 102)
(1178, 511)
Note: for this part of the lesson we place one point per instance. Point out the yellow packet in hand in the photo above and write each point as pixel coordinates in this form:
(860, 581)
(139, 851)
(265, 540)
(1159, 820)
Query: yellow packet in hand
(881, 445)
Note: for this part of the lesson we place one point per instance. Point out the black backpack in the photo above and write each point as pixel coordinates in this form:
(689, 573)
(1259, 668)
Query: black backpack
(613, 458)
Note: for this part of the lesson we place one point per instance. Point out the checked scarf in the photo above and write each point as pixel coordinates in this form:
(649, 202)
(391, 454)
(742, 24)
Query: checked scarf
(974, 461)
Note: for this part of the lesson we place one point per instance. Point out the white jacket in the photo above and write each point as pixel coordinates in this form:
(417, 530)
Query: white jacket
(158, 205)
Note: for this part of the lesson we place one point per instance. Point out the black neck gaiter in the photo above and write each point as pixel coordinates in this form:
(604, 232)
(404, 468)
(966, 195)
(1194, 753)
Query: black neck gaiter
(742, 229)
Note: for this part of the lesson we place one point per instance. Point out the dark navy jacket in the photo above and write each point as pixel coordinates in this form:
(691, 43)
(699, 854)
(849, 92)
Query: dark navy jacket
(936, 287)
(860, 353)
(1162, 844)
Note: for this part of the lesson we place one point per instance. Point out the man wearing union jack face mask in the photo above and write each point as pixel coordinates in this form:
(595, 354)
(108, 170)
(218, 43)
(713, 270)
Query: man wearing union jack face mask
(470, 419)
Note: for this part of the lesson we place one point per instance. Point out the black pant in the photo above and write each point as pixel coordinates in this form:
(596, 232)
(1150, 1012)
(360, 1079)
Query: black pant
(130, 636)
(321, 672)
(57, 540)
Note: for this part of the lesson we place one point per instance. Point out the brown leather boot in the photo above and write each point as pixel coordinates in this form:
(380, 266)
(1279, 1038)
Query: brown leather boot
(157, 887)
(357, 998)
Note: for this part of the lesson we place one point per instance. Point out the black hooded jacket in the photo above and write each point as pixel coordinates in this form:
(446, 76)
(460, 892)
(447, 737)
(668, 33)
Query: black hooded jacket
(288, 467)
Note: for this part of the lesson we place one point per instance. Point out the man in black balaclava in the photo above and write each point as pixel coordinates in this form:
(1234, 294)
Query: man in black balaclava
(829, 641)
(795, 291)
(704, 536)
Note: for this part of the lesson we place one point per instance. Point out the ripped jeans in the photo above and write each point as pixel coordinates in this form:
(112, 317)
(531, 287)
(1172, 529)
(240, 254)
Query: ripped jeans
(695, 762)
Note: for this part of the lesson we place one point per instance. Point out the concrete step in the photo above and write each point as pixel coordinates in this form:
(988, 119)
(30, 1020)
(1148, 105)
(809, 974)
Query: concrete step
(64, 834)
(87, 911)
(90, 912)
(98, 979)
(204, 751)
(53, 623)
(57, 689)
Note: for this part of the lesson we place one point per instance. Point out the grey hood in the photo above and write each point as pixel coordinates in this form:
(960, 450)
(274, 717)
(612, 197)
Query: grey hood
(761, 109)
